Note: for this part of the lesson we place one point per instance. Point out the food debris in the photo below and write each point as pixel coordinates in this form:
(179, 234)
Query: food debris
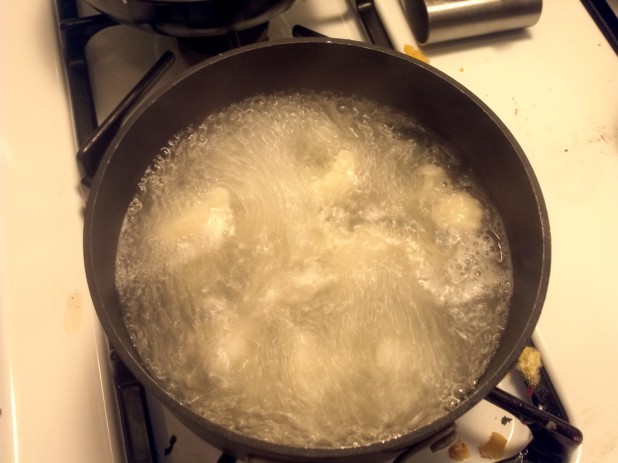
(414, 53)
(494, 447)
(506, 420)
(169, 449)
(461, 69)
(529, 365)
(459, 451)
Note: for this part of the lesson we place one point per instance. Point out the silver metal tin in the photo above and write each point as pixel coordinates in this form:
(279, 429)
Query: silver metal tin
(435, 21)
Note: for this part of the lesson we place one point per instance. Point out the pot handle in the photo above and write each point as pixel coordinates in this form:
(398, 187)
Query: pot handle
(92, 150)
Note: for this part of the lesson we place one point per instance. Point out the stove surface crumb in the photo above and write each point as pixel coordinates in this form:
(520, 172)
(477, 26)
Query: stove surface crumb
(459, 451)
(494, 447)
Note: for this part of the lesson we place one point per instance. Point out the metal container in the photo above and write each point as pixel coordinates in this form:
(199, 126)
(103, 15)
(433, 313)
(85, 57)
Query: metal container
(434, 21)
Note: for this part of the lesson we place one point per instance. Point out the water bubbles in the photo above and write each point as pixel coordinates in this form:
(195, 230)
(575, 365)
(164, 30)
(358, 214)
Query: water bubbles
(451, 403)
(135, 206)
(333, 278)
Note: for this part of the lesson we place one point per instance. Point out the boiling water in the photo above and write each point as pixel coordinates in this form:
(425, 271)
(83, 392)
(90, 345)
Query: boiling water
(308, 270)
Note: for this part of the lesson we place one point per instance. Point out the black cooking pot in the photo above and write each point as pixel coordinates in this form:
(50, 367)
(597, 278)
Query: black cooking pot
(439, 103)
(192, 18)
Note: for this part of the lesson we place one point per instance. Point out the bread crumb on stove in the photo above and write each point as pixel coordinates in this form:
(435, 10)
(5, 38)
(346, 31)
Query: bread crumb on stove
(459, 451)
(414, 53)
(494, 447)
(529, 365)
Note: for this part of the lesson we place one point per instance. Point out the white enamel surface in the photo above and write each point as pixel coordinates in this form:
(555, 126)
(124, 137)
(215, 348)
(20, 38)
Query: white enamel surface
(554, 86)
(53, 392)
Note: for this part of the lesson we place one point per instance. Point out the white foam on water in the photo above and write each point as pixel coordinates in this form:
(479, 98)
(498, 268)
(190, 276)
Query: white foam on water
(300, 271)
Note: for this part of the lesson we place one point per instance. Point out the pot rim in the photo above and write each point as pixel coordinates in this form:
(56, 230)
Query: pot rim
(225, 438)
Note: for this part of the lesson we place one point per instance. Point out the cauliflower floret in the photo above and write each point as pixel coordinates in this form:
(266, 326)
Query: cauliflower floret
(457, 211)
(433, 177)
(449, 209)
(339, 180)
(209, 221)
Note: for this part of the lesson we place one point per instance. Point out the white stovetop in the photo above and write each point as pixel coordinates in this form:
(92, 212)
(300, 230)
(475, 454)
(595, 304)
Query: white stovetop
(555, 87)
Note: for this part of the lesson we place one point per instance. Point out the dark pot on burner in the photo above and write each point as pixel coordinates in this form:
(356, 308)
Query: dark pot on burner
(481, 142)
(192, 18)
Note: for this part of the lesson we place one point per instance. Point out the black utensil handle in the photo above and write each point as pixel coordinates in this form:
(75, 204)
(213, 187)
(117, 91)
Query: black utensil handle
(91, 152)
(531, 415)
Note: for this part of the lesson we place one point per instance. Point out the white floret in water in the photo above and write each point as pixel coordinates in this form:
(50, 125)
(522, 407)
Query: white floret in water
(458, 211)
(210, 220)
(338, 180)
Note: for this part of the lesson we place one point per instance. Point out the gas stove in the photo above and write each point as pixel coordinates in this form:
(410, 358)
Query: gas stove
(87, 387)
